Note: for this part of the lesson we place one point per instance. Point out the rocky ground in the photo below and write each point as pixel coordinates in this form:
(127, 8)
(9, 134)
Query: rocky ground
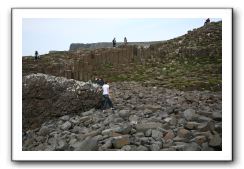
(146, 118)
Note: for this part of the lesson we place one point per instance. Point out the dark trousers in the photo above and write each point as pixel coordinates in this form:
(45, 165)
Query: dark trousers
(107, 102)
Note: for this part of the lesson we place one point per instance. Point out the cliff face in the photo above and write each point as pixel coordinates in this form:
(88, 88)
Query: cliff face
(189, 62)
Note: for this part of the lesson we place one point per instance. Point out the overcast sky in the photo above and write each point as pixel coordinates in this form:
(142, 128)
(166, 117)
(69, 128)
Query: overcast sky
(44, 35)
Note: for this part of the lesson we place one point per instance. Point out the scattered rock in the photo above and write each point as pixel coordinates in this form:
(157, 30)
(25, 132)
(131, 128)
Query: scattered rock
(120, 141)
(191, 125)
(215, 140)
(66, 126)
(145, 126)
(183, 133)
(124, 113)
(85, 118)
(157, 135)
(189, 114)
(169, 135)
(200, 140)
(64, 118)
(217, 116)
(89, 144)
(148, 133)
(141, 95)
(141, 148)
(126, 148)
(44, 131)
(155, 147)
(138, 124)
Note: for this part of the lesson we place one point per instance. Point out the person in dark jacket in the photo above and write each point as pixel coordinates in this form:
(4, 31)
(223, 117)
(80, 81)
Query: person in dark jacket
(207, 21)
(114, 42)
(36, 55)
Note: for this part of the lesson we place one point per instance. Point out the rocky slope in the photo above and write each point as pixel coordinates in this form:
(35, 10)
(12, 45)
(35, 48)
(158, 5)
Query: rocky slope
(145, 119)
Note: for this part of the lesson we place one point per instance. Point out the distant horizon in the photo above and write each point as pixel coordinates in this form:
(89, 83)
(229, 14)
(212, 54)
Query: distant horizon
(44, 35)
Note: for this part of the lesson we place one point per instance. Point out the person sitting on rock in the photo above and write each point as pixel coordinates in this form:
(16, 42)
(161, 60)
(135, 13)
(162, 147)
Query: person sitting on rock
(107, 103)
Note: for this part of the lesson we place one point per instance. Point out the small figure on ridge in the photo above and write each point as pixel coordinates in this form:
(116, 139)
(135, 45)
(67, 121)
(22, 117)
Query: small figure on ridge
(207, 21)
(114, 42)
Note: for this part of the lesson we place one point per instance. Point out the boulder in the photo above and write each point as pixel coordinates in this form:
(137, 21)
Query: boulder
(183, 133)
(157, 135)
(141, 95)
(66, 126)
(124, 113)
(205, 147)
(148, 133)
(192, 147)
(215, 140)
(134, 119)
(207, 126)
(200, 139)
(120, 141)
(145, 126)
(191, 125)
(126, 148)
(64, 118)
(44, 131)
(189, 114)
(156, 146)
(85, 118)
(107, 144)
(217, 116)
(141, 148)
(169, 135)
(89, 144)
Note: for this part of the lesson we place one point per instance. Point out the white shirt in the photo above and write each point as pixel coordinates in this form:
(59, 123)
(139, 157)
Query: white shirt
(105, 89)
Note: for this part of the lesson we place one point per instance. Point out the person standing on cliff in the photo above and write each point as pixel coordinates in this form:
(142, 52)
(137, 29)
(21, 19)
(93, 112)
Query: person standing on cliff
(125, 41)
(114, 42)
(36, 55)
(107, 103)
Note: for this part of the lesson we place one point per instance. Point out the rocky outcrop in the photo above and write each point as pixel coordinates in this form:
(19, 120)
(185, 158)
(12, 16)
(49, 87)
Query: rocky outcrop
(145, 119)
(46, 97)
(77, 46)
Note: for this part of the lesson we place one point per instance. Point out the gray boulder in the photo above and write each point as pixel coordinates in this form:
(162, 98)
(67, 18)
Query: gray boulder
(66, 126)
(189, 114)
(89, 144)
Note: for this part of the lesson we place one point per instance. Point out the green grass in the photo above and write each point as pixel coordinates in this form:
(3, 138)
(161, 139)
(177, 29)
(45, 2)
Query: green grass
(189, 74)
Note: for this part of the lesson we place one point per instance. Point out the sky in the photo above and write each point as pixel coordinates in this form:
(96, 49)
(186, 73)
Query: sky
(46, 34)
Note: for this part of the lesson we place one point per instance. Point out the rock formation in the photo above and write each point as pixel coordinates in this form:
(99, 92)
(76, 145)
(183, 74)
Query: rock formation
(46, 97)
